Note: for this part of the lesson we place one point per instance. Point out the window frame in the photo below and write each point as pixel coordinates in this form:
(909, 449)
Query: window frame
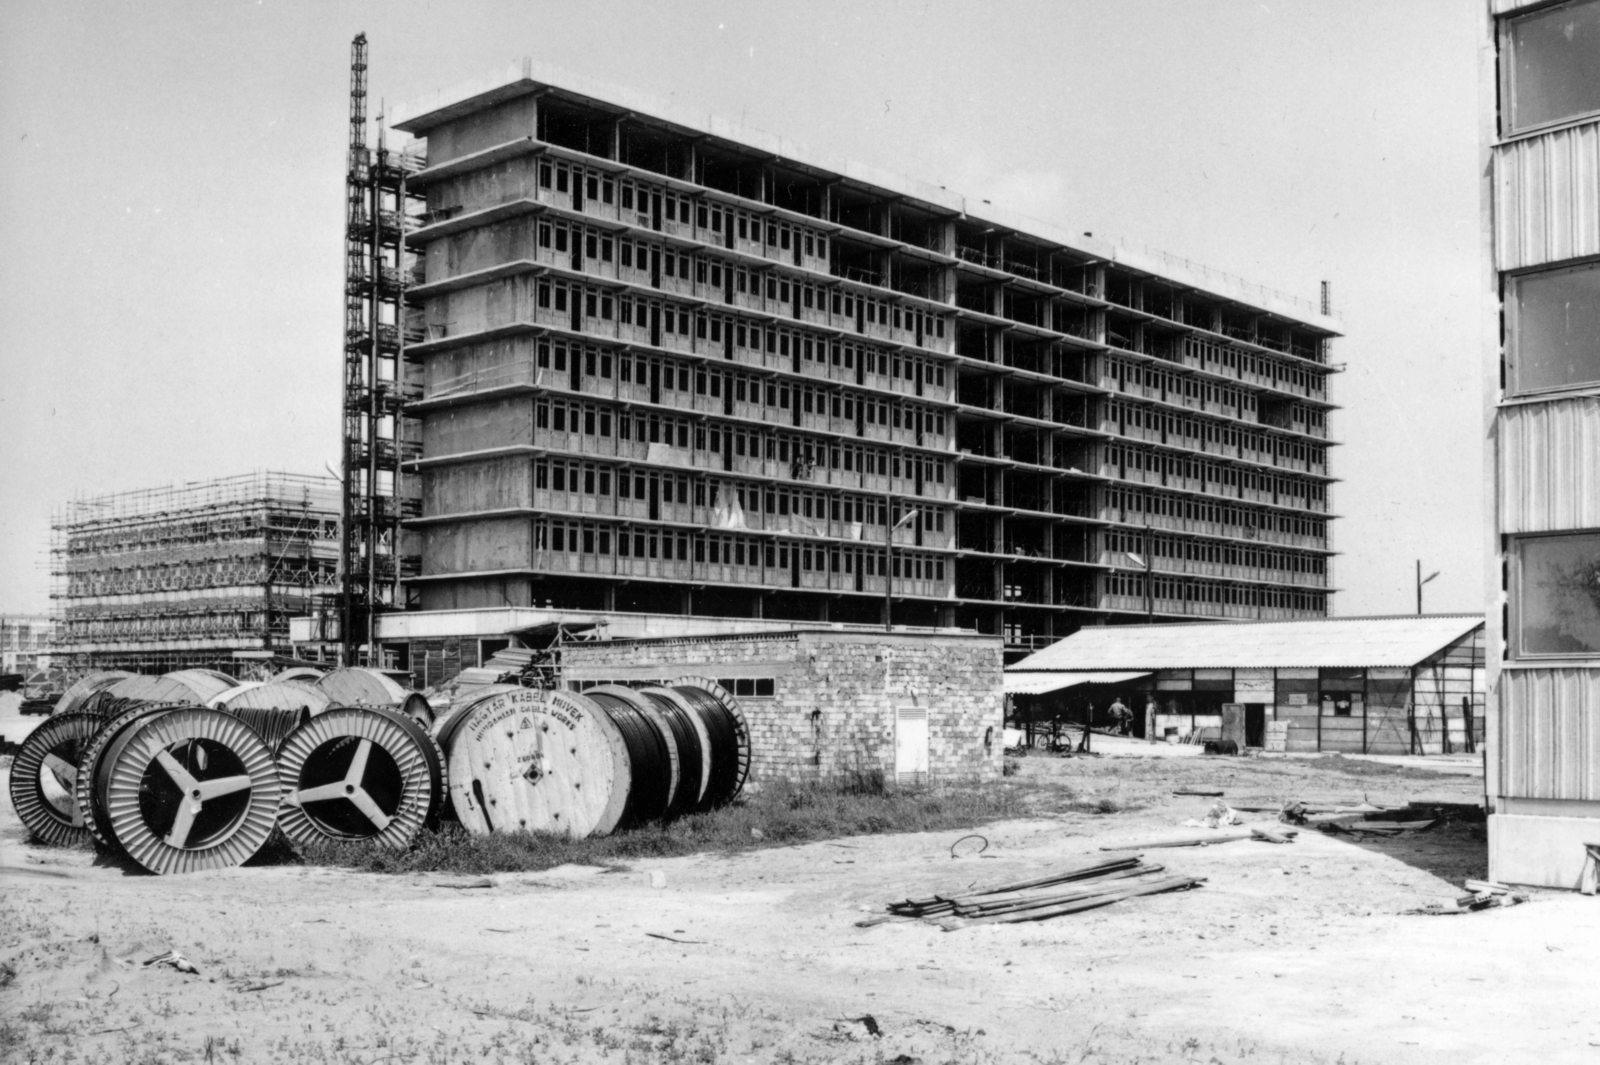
(1515, 557)
(1509, 350)
(1507, 63)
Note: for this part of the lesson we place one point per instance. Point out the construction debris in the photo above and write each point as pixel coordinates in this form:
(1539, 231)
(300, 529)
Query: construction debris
(1204, 839)
(1481, 895)
(1064, 892)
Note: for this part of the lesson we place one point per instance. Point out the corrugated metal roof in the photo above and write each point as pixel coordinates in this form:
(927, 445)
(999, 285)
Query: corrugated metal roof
(1039, 683)
(1333, 642)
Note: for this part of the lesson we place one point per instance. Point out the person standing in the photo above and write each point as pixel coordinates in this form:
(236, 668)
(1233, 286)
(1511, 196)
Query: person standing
(1122, 715)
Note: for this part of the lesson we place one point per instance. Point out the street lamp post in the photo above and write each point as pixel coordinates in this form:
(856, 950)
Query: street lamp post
(1421, 580)
(890, 527)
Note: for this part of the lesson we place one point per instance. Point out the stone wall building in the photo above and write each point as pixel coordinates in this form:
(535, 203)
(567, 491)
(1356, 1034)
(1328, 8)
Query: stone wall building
(834, 705)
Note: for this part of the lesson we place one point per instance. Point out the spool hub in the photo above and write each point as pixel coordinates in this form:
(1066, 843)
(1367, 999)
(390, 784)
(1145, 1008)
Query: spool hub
(359, 774)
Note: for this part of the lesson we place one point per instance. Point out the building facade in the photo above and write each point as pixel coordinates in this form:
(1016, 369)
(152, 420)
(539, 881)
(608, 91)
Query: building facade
(25, 642)
(181, 577)
(672, 366)
(1540, 92)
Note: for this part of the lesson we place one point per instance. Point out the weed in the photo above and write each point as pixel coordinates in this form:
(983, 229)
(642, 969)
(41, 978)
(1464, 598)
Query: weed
(781, 814)
(8, 975)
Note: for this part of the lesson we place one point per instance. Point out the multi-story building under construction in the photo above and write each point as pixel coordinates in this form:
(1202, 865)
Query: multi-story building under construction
(675, 367)
(182, 577)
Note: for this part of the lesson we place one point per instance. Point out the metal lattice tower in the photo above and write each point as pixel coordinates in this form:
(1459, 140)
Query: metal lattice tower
(378, 436)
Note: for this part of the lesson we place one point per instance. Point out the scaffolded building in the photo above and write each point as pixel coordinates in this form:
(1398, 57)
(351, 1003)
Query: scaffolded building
(181, 577)
(672, 366)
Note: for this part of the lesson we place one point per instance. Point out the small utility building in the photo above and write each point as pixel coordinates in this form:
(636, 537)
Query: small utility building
(1375, 685)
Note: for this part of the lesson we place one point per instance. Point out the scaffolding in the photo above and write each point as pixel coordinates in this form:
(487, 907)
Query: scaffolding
(379, 379)
(184, 575)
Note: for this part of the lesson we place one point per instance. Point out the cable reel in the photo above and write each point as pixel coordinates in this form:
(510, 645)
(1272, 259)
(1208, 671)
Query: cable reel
(359, 773)
(44, 775)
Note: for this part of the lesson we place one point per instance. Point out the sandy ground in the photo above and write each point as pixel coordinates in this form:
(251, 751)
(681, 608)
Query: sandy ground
(1295, 953)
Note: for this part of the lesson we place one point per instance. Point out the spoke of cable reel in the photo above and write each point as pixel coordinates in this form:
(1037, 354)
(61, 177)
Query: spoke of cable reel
(186, 789)
(44, 778)
(359, 773)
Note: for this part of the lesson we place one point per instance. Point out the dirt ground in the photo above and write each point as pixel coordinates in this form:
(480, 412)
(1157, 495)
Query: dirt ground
(1297, 953)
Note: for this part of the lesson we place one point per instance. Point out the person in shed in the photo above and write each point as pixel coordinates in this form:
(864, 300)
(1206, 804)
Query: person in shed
(1122, 715)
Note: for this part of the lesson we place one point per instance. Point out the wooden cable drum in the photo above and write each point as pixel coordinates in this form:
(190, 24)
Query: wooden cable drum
(359, 773)
(360, 686)
(652, 752)
(529, 758)
(729, 748)
(44, 774)
(73, 698)
(184, 789)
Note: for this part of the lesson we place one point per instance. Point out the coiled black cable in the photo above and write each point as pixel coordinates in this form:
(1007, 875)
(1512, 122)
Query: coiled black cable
(272, 723)
(651, 786)
(690, 762)
(721, 726)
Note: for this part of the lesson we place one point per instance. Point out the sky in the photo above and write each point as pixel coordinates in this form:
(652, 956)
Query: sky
(171, 205)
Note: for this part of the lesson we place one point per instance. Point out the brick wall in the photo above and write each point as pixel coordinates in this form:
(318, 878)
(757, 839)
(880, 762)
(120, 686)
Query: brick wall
(835, 696)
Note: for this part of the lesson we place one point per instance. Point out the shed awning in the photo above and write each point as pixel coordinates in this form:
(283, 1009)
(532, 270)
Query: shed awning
(1040, 683)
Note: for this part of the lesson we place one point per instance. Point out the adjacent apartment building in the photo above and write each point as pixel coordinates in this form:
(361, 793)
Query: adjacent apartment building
(1541, 127)
(673, 366)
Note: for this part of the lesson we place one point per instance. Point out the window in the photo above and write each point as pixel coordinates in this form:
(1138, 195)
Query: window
(1553, 69)
(1556, 596)
(1553, 335)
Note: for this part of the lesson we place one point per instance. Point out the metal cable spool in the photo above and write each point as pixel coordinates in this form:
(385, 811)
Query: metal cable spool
(693, 742)
(418, 709)
(205, 683)
(359, 773)
(184, 789)
(73, 698)
(44, 774)
(534, 759)
(298, 675)
(650, 754)
(657, 757)
(729, 752)
(115, 715)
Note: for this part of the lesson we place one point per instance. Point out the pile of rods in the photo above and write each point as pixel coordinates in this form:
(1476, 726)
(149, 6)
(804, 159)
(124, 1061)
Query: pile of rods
(1060, 893)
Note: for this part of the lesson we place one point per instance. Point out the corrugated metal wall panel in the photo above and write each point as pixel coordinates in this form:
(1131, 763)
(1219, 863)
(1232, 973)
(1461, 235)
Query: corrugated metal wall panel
(1550, 733)
(1547, 192)
(1550, 466)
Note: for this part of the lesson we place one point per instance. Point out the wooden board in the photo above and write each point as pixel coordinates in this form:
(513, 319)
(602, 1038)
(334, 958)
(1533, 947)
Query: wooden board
(545, 761)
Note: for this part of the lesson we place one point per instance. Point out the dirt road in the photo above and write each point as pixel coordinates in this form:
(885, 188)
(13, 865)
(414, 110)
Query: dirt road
(1295, 953)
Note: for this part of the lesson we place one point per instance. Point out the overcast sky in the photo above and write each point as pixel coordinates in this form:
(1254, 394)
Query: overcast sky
(171, 205)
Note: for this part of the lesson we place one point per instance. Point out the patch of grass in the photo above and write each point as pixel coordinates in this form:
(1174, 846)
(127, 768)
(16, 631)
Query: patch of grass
(779, 815)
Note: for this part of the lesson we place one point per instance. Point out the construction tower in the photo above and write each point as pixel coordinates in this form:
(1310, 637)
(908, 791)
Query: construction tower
(378, 435)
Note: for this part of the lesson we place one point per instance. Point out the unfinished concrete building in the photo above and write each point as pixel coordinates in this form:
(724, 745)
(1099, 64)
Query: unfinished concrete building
(675, 367)
(182, 577)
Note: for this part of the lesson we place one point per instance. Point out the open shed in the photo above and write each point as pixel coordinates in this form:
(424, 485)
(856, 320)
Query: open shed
(1411, 684)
